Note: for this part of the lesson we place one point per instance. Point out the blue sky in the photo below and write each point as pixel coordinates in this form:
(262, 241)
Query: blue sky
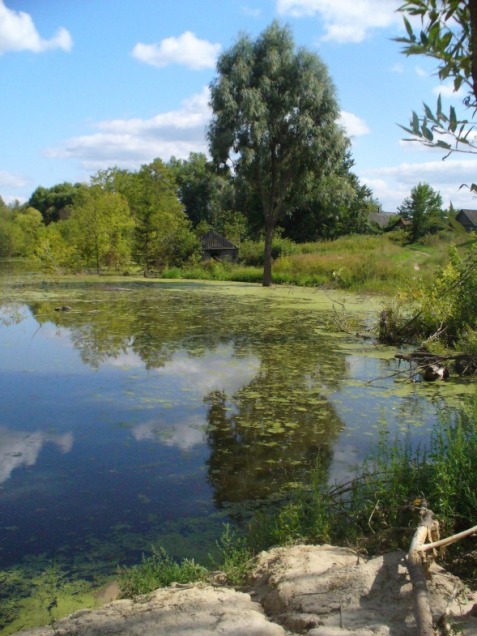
(91, 84)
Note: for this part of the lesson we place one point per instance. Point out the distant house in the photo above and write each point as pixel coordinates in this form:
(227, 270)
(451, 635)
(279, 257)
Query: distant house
(400, 223)
(216, 246)
(468, 219)
(382, 219)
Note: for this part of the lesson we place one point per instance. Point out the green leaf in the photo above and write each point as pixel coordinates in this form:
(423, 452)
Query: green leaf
(426, 132)
(429, 114)
(415, 123)
(409, 30)
(408, 130)
(452, 119)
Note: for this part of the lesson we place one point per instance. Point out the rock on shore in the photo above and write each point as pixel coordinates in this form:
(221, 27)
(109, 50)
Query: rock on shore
(313, 590)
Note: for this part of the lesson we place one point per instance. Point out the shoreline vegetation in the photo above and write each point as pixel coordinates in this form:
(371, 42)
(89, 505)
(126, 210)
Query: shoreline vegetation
(374, 264)
(375, 511)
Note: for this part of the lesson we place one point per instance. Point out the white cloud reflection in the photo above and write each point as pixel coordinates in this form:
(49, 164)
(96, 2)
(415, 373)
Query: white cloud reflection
(217, 370)
(19, 448)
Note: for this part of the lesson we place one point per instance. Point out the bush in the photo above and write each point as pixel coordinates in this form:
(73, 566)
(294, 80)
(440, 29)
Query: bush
(444, 309)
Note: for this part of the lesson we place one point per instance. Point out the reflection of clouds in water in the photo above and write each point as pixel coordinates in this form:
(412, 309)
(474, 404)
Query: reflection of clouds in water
(125, 360)
(217, 370)
(184, 435)
(18, 448)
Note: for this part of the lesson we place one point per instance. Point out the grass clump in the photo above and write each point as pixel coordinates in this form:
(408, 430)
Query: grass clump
(236, 556)
(158, 570)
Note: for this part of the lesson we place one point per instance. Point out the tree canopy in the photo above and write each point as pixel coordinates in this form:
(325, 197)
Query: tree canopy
(424, 209)
(274, 120)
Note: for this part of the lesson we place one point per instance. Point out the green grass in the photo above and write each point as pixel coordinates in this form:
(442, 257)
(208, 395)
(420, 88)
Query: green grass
(361, 263)
(158, 570)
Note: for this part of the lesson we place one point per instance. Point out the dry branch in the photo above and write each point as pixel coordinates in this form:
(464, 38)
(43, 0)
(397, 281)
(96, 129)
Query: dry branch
(417, 571)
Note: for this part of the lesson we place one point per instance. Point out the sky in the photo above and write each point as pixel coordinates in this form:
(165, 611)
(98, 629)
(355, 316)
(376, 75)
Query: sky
(92, 84)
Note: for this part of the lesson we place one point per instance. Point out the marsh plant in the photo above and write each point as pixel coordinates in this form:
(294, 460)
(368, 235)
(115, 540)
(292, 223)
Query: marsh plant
(158, 570)
(377, 509)
(235, 556)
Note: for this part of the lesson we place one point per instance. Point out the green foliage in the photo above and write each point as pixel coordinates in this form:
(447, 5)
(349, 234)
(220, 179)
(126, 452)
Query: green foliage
(380, 502)
(424, 209)
(377, 509)
(448, 29)
(55, 203)
(158, 570)
(235, 556)
(444, 309)
(274, 117)
(99, 230)
(54, 252)
(301, 515)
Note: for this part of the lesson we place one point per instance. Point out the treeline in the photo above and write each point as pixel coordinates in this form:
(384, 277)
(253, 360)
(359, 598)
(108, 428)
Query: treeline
(154, 217)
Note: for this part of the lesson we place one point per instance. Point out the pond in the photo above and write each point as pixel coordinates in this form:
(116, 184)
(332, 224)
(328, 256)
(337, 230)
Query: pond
(147, 413)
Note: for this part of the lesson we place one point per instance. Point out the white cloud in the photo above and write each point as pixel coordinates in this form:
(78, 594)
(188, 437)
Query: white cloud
(10, 180)
(187, 50)
(447, 90)
(344, 20)
(128, 143)
(392, 184)
(252, 12)
(18, 33)
(420, 72)
(353, 124)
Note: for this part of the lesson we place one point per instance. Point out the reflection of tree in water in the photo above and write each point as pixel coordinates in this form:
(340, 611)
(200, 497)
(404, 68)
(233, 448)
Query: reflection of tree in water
(280, 425)
(155, 323)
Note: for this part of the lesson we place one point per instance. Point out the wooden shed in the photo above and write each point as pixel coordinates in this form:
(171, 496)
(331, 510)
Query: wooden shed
(468, 219)
(216, 246)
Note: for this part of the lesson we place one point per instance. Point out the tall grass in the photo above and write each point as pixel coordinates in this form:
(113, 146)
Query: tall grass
(377, 509)
(378, 264)
(158, 570)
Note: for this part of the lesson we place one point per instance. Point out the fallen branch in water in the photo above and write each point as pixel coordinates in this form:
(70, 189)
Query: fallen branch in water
(464, 363)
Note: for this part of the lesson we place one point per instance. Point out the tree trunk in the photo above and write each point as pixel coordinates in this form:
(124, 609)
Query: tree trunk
(267, 256)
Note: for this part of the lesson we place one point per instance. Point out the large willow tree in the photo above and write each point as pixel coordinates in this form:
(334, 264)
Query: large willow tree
(274, 121)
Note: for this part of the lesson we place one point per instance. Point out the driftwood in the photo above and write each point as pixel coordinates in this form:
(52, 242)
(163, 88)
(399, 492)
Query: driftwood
(434, 366)
(419, 560)
(418, 566)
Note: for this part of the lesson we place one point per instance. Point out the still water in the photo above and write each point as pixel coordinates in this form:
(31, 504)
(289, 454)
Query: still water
(145, 414)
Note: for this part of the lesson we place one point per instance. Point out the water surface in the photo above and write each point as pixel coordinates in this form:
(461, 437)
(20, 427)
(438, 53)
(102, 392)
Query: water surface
(146, 412)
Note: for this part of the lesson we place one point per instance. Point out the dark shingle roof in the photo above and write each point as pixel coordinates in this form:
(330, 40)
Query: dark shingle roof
(470, 214)
(213, 240)
(382, 218)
